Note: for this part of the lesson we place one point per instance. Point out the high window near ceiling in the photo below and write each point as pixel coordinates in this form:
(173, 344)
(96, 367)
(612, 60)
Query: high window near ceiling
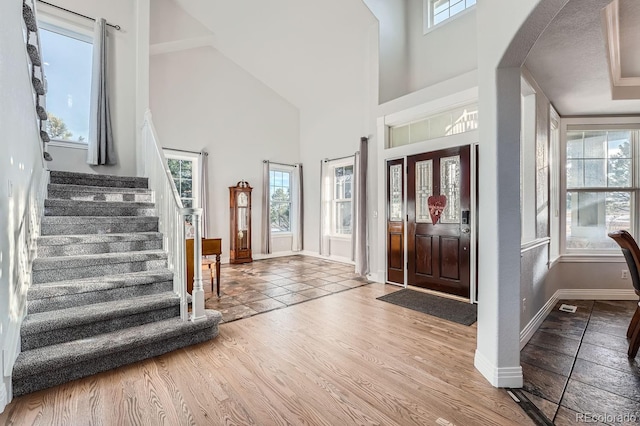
(601, 185)
(67, 56)
(439, 11)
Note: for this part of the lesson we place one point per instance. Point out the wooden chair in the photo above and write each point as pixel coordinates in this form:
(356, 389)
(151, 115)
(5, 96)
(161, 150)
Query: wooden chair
(631, 254)
(210, 246)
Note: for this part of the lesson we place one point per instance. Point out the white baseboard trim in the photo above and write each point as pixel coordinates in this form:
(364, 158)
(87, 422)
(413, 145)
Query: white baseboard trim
(528, 331)
(597, 294)
(575, 294)
(505, 377)
(338, 259)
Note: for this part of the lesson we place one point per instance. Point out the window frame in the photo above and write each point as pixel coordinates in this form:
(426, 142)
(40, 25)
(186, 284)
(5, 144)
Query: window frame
(289, 171)
(595, 124)
(170, 154)
(428, 26)
(336, 201)
(50, 22)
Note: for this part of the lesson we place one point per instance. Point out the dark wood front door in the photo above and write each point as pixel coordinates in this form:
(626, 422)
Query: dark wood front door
(395, 221)
(438, 254)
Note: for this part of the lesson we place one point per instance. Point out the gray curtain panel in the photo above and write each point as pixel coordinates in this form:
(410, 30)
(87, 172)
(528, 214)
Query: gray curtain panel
(204, 191)
(266, 208)
(298, 242)
(361, 227)
(101, 143)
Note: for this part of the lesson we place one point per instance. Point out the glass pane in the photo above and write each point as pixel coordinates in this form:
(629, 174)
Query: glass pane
(619, 144)
(399, 136)
(419, 131)
(440, 6)
(185, 188)
(424, 189)
(395, 196)
(595, 144)
(575, 173)
(67, 65)
(343, 217)
(457, 7)
(464, 120)
(450, 187)
(591, 216)
(595, 174)
(185, 169)
(280, 217)
(440, 125)
(575, 145)
(619, 173)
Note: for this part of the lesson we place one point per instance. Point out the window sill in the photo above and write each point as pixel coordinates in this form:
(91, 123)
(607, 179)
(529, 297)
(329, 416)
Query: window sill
(340, 237)
(68, 144)
(281, 234)
(591, 258)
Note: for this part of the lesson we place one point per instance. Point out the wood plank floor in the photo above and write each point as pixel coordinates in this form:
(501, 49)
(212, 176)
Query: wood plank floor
(342, 359)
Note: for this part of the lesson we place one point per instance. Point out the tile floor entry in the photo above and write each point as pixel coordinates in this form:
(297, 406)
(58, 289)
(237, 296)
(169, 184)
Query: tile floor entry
(577, 363)
(264, 285)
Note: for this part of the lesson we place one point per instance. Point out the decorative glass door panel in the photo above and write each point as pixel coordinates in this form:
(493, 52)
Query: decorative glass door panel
(424, 189)
(450, 187)
(395, 221)
(395, 193)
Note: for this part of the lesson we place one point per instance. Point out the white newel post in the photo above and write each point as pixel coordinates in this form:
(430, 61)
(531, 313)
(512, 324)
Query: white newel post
(197, 294)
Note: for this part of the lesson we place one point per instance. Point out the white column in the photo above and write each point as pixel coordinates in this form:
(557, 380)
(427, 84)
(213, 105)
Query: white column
(498, 347)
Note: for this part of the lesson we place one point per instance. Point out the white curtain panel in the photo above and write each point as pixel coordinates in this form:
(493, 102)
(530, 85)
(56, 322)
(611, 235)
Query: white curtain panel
(361, 236)
(266, 208)
(325, 206)
(100, 145)
(204, 191)
(298, 210)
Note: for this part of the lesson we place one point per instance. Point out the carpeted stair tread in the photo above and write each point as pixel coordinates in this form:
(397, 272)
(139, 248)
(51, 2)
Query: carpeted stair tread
(93, 284)
(88, 179)
(83, 260)
(33, 362)
(61, 240)
(64, 225)
(81, 315)
(97, 208)
(66, 187)
(70, 245)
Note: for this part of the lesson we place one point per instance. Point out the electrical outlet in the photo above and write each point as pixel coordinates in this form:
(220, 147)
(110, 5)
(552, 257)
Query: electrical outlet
(524, 304)
(625, 274)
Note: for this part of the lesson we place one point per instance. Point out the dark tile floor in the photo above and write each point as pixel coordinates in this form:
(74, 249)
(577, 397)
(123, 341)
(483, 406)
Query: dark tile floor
(577, 364)
(264, 285)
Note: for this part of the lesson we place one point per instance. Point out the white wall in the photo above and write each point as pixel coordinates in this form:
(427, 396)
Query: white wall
(443, 53)
(20, 164)
(394, 47)
(202, 100)
(122, 71)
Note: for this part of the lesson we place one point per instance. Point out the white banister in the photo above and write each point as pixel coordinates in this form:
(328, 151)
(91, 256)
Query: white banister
(197, 294)
(171, 222)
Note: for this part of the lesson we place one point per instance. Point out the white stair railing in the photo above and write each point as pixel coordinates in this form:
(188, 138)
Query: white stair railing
(172, 222)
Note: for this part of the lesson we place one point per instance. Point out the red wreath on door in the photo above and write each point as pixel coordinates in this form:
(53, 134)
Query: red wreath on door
(436, 204)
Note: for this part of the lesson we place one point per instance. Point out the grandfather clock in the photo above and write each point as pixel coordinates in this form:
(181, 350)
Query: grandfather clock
(240, 204)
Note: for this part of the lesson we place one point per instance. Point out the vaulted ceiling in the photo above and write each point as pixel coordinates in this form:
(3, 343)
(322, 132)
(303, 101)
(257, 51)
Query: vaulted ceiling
(308, 51)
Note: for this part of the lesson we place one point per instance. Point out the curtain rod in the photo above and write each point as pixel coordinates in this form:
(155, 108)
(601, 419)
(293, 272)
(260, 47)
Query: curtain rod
(326, 160)
(279, 164)
(117, 27)
(206, 154)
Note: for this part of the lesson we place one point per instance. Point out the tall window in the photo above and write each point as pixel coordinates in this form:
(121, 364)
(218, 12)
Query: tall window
(438, 11)
(280, 195)
(184, 170)
(601, 194)
(342, 195)
(67, 57)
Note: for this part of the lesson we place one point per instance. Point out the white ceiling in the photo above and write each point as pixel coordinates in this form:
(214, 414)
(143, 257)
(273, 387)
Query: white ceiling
(302, 49)
(630, 38)
(569, 60)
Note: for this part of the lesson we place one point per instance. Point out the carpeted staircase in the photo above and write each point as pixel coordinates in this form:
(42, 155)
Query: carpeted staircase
(101, 293)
